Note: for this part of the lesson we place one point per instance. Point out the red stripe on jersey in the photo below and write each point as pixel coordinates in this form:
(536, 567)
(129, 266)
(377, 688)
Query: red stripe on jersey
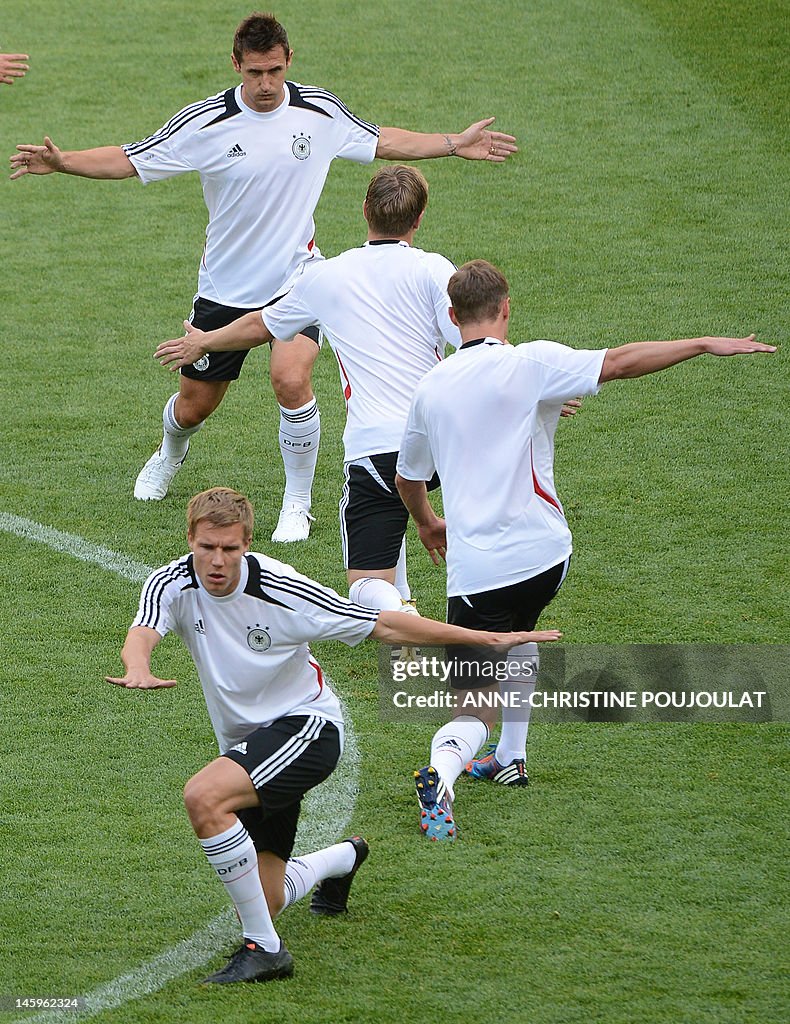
(347, 388)
(438, 353)
(320, 676)
(541, 493)
(311, 245)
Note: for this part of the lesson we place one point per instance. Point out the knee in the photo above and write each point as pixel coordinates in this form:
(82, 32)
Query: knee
(198, 802)
(291, 369)
(292, 386)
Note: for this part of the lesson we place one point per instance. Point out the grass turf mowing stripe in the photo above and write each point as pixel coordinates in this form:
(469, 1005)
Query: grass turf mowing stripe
(71, 544)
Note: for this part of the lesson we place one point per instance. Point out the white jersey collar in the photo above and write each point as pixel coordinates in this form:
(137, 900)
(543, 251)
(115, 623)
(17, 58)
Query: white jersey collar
(259, 115)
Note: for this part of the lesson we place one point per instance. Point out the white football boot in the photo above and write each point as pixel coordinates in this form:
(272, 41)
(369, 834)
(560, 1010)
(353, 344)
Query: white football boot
(156, 476)
(293, 525)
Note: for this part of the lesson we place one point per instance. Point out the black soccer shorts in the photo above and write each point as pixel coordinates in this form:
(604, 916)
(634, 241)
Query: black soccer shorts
(507, 609)
(284, 760)
(372, 516)
(222, 366)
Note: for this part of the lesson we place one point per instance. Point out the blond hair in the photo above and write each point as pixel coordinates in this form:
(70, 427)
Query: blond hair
(396, 197)
(220, 506)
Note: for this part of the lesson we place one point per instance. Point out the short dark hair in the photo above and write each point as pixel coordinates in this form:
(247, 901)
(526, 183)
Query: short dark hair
(259, 33)
(396, 197)
(220, 506)
(477, 291)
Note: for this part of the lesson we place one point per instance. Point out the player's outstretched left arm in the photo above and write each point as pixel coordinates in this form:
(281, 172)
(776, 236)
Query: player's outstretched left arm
(136, 656)
(642, 357)
(397, 628)
(476, 142)
(245, 333)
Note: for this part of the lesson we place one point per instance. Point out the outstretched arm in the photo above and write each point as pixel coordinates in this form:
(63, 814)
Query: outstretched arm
(643, 357)
(397, 628)
(105, 162)
(136, 656)
(430, 527)
(245, 333)
(475, 143)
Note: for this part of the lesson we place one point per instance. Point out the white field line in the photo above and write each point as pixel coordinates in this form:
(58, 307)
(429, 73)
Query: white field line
(326, 812)
(78, 547)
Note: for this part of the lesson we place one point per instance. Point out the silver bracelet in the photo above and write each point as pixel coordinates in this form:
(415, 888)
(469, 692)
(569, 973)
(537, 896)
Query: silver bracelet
(451, 147)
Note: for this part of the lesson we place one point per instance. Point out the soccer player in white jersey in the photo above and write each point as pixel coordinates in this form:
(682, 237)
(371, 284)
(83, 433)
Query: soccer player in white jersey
(385, 311)
(263, 151)
(247, 621)
(486, 416)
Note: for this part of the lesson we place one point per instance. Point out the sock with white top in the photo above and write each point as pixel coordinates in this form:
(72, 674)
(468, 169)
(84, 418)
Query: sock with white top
(233, 857)
(375, 593)
(300, 434)
(175, 438)
(454, 745)
(302, 874)
(522, 676)
(401, 578)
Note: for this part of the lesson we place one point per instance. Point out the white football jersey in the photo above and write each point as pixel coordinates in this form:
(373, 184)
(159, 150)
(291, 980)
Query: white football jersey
(384, 310)
(485, 420)
(250, 647)
(262, 176)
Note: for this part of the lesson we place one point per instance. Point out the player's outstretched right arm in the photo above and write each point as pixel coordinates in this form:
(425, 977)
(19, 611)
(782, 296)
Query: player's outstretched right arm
(247, 332)
(396, 628)
(642, 357)
(136, 656)
(107, 162)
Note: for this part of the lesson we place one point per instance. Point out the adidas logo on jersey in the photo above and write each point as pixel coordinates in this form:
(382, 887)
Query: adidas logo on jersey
(235, 151)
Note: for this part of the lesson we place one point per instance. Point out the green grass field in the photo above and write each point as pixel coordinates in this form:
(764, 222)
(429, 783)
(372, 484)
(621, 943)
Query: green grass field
(642, 878)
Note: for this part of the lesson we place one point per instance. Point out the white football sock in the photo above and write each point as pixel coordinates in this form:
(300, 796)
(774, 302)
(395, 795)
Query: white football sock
(232, 855)
(175, 439)
(523, 664)
(454, 745)
(303, 873)
(300, 434)
(375, 593)
(401, 579)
